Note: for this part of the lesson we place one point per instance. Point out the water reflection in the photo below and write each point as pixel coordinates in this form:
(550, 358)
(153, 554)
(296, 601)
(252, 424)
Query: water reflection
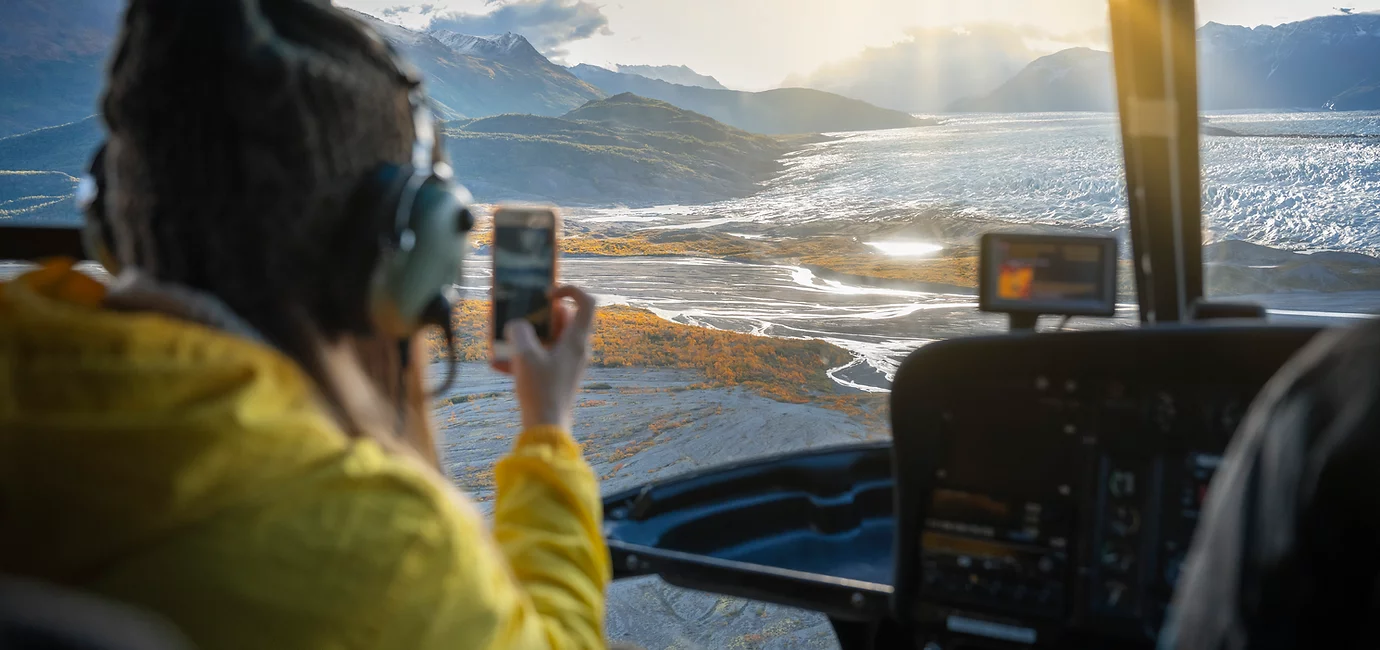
(905, 248)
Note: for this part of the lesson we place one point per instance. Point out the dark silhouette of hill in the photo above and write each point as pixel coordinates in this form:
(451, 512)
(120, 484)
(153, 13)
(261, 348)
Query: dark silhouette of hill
(625, 149)
(772, 112)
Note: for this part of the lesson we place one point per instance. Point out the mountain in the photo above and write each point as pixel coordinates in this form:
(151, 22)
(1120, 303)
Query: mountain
(52, 63)
(508, 46)
(625, 149)
(471, 76)
(1076, 79)
(780, 111)
(928, 72)
(622, 150)
(52, 55)
(676, 74)
(1319, 63)
(1325, 62)
(1363, 96)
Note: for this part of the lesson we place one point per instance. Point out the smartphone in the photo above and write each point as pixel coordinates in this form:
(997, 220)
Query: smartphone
(524, 257)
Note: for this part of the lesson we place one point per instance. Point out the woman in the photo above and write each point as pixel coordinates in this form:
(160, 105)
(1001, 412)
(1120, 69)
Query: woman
(215, 437)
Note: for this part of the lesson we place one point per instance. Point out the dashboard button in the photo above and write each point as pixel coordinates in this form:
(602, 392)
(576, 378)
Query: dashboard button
(1114, 594)
(1122, 484)
(1125, 521)
(1118, 557)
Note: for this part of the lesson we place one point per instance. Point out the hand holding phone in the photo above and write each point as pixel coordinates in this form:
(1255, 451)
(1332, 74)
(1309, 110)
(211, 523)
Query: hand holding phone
(548, 379)
(524, 275)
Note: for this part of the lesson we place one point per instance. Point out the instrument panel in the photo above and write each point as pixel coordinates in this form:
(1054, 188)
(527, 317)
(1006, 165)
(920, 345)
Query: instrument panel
(1048, 486)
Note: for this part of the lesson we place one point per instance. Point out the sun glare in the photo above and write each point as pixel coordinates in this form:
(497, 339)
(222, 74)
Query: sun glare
(906, 248)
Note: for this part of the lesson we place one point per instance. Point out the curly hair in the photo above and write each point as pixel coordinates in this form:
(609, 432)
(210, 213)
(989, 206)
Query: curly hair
(239, 131)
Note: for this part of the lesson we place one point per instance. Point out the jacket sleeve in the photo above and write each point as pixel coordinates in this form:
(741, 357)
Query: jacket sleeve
(538, 581)
(548, 522)
(364, 549)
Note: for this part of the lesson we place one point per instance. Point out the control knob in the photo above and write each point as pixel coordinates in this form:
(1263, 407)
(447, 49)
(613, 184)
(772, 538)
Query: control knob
(1118, 557)
(1113, 593)
(1125, 521)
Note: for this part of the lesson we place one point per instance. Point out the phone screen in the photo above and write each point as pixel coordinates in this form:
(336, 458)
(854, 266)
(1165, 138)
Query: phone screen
(524, 270)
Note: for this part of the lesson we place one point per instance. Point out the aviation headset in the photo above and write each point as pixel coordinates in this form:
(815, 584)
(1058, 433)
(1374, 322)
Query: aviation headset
(421, 253)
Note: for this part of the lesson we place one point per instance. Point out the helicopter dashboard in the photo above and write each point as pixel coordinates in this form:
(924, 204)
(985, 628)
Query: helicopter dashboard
(1039, 490)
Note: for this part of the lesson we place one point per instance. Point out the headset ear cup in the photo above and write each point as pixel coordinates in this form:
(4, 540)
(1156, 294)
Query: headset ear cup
(428, 255)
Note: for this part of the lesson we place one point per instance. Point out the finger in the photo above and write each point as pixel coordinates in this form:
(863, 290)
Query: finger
(561, 313)
(524, 339)
(583, 321)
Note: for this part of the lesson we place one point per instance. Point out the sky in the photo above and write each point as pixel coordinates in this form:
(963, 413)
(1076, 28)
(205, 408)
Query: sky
(755, 44)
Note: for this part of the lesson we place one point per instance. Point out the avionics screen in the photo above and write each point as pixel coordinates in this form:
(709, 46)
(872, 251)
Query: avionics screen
(1048, 274)
(1005, 481)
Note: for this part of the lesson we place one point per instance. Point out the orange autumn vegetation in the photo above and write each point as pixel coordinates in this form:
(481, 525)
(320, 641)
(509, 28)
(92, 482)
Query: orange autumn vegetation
(788, 370)
(837, 253)
(851, 256)
(628, 246)
(625, 245)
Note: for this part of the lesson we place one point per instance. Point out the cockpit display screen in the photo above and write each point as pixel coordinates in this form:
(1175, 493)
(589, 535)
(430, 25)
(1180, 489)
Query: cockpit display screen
(1045, 274)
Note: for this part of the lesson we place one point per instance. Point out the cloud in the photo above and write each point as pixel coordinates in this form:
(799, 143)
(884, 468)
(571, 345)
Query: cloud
(1100, 36)
(548, 24)
(396, 11)
(1037, 39)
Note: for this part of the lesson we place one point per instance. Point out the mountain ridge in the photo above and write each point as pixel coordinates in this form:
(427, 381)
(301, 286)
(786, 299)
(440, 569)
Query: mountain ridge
(676, 74)
(624, 149)
(771, 112)
(1314, 63)
(926, 73)
(1322, 63)
(477, 76)
(1075, 79)
(499, 46)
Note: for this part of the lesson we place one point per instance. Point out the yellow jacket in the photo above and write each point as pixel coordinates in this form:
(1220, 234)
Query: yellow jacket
(187, 471)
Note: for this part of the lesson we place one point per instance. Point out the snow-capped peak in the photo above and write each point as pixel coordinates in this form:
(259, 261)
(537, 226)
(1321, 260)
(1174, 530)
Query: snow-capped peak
(394, 33)
(498, 46)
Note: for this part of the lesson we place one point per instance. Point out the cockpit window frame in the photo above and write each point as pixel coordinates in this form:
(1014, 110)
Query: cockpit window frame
(1154, 50)
(38, 242)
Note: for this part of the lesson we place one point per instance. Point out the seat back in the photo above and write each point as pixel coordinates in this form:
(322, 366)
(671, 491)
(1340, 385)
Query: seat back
(38, 616)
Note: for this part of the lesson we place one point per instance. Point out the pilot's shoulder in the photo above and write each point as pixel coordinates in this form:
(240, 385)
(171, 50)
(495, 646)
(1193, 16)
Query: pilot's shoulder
(1329, 373)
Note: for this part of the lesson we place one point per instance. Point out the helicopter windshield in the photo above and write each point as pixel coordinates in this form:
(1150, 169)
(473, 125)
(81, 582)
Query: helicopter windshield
(774, 202)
